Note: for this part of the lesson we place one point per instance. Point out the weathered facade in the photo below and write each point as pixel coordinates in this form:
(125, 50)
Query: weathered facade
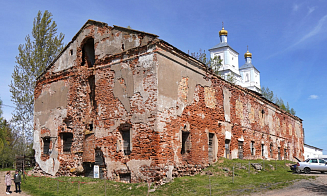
(143, 110)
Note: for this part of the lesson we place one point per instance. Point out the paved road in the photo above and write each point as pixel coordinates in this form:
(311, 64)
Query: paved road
(309, 187)
(3, 186)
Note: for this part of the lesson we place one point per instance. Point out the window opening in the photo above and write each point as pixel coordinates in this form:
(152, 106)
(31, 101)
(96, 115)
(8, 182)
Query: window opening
(262, 149)
(88, 56)
(46, 145)
(240, 149)
(279, 155)
(252, 147)
(210, 147)
(99, 157)
(126, 142)
(91, 127)
(125, 177)
(185, 142)
(67, 139)
(91, 81)
(271, 151)
(227, 151)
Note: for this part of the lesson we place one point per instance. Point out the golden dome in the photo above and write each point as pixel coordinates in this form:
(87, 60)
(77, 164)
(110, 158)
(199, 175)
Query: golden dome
(248, 54)
(222, 32)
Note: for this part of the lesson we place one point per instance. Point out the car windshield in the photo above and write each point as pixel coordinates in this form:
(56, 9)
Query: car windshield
(307, 160)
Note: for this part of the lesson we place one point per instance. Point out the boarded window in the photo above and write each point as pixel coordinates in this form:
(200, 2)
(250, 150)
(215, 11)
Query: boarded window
(67, 139)
(227, 151)
(252, 148)
(185, 142)
(210, 147)
(240, 150)
(46, 145)
(88, 56)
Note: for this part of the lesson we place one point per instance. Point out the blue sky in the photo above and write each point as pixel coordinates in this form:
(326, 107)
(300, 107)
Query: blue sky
(286, 38)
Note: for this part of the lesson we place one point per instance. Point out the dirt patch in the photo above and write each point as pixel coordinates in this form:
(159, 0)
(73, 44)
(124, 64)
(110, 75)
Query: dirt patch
(308, 187)
(12, 188)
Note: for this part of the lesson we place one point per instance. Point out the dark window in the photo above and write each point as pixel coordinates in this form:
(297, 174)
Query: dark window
(240, 150)
(252, 147)
(67, 139)
(126, 142)
(46, 145)
(314, 161)
(91, 81)
(210, 147)
(271, 150)
(98, 157)
(88, 56)
(185, 142)
(125, 177)
(227, 152)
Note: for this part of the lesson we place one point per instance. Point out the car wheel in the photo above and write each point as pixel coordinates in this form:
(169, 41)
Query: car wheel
(298, 171)
(307, 170)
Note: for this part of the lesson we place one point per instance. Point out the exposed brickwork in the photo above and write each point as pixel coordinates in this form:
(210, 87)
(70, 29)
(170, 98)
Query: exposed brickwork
(139, 102)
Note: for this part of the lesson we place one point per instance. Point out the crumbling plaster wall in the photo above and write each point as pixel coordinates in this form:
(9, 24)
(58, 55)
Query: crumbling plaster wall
(51, 104)
(125, 93)
(159, 92)
(210, 105)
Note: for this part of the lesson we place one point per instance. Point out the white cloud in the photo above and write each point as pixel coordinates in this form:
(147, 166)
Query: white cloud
(296, 7)
(313, 97)
(311, 9)
(317, 29)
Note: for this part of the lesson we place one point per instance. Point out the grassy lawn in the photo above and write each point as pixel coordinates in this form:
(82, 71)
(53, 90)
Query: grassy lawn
(217, 178)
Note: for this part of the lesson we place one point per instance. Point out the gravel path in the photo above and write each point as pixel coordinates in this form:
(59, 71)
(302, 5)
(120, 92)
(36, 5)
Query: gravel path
(309, 187)
(12, 188)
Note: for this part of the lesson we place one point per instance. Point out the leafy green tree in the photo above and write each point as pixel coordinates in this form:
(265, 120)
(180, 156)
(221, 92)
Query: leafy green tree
(268, 94)
(38, 52)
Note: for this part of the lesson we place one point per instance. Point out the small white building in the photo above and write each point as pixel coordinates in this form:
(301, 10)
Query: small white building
(246, 76)
(312, 152)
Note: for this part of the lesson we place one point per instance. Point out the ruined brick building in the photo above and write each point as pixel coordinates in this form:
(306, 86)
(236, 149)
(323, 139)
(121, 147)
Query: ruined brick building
(141, 109)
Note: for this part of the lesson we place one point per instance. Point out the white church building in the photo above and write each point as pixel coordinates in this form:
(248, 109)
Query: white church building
(246, 76)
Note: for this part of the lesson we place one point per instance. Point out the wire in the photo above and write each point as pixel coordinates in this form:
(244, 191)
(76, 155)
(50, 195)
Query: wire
(8, 106)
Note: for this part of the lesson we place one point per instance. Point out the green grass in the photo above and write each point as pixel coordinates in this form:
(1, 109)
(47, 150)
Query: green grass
(221, 182)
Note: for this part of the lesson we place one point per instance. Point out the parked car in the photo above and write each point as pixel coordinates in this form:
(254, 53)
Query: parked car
(312, 165)
(293, 167)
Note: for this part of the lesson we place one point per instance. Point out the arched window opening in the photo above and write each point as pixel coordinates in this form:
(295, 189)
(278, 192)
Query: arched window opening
(88, 56)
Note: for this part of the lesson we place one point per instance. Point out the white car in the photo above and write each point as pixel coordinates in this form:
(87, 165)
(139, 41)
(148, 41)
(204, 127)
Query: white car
(312, 165)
